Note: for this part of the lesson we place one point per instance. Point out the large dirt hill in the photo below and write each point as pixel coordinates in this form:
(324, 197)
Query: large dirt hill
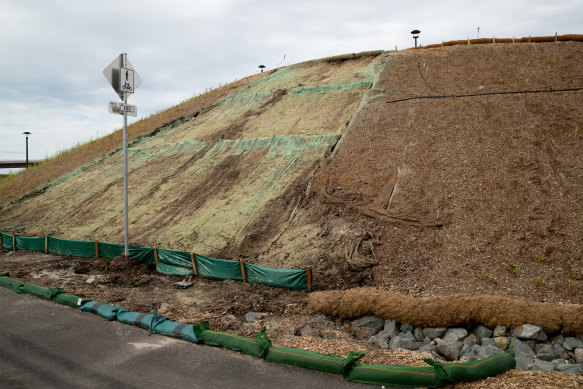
(312, 165)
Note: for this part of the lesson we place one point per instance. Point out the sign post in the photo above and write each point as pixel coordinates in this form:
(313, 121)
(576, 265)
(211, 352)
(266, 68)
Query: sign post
(124, 80)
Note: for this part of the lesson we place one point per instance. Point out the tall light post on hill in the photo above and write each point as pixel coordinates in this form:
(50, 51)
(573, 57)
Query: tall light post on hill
(27, 133)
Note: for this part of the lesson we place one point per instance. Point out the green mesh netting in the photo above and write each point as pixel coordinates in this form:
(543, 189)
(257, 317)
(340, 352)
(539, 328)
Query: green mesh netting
(76, 248)
(174, 262)
(30, 243)
(143, 255)
(110, 250)
(7, 241)
(287, 278)
(218, 268)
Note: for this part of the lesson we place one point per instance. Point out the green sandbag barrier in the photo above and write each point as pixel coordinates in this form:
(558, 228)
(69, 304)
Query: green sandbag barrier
(11, 283)
(174, 262)
(171, 328)
(312, 360)
(69, 299)
(143, 320)
(475, 370)
(257, 347)
(76, 248)
(288, 278)
(7, 241)
(40, 292)
(403, 376)
(30, 243)
(106, 311)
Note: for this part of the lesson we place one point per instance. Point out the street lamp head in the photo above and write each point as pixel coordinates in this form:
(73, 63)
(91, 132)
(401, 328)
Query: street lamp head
(415, 35)
(261, 67)
(26, 133)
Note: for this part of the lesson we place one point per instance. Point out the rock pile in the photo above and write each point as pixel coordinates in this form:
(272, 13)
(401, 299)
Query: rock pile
(533, 348)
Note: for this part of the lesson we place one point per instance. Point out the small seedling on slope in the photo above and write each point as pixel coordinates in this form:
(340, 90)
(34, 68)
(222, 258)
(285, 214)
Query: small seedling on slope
(491, 278)
(538, 282)
(540, 259)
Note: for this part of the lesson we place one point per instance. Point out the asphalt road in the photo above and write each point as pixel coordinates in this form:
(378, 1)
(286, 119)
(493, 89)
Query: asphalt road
(47, 345)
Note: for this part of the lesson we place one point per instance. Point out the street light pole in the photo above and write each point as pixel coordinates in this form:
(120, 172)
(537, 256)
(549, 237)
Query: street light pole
(27, 134)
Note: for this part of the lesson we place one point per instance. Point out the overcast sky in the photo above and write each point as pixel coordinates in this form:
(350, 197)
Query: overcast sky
(53, 52)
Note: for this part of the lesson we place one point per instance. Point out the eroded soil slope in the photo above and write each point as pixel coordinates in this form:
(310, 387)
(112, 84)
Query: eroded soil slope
(458, 195)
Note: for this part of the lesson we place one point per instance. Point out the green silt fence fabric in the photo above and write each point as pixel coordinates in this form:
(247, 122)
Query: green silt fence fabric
(69, 299)
(30, 243)
(218, 268)
(174, 262)
(143, 255)
(7, 241)
(475, 370)
(402, 376)
(11, 283)
(287, 278)
(312, 360)
(110, 250)
(257, 347)
(106, 311)
(40, 292)
(76, 248)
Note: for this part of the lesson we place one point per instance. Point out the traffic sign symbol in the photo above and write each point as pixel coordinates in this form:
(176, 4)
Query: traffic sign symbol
(126, 81)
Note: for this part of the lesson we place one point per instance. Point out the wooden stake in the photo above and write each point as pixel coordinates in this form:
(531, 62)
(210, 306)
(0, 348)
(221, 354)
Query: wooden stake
(396, 48)
(493, 39)
(96, 249)
(156, 256)
(242, 263)
(46, 244)
(194, 269)
(529, 39)
(556, 40)
(309, 277)
(512, 39)
(468, 40)
(13, 242)
(441, 43)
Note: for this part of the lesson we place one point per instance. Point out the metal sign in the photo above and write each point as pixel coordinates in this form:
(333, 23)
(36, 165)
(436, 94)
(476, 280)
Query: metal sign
(115, 75)
(124, 80)
(121, 108)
